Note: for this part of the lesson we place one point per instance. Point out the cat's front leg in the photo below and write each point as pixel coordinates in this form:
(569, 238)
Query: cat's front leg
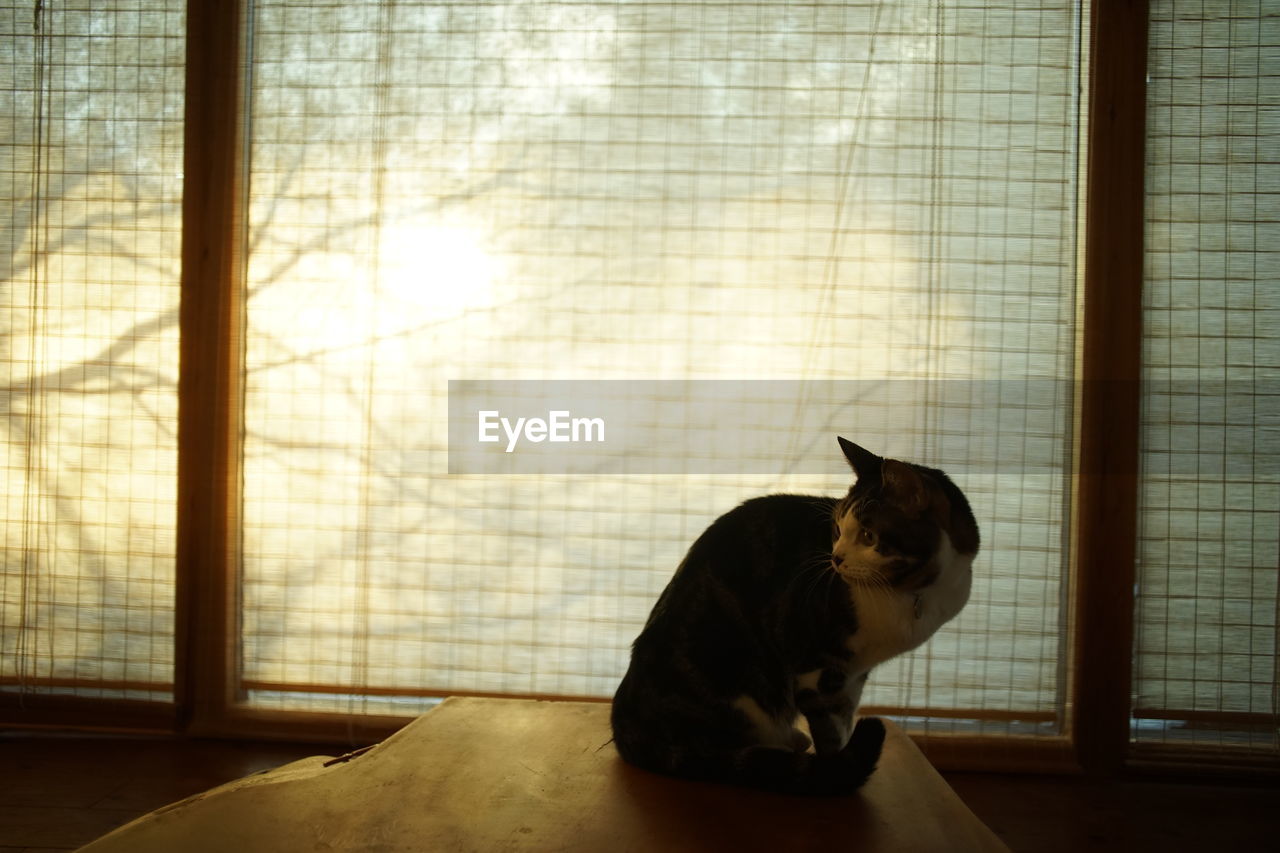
(828, 699)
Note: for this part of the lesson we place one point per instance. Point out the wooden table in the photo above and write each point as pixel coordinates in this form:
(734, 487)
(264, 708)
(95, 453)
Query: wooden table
(509, 774)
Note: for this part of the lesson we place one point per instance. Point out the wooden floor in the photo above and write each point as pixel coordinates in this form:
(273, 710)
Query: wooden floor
(58, 792)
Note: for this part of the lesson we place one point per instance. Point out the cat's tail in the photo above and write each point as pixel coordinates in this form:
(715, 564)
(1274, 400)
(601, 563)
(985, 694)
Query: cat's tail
(804, 773)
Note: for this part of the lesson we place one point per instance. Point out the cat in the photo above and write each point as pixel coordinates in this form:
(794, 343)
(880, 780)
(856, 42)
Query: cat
(782, 607)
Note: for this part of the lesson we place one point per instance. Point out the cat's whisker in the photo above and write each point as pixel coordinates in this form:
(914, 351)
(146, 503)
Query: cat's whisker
(814, 572)
(825, 574)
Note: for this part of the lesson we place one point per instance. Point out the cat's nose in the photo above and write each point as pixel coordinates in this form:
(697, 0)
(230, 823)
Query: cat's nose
(837, 559)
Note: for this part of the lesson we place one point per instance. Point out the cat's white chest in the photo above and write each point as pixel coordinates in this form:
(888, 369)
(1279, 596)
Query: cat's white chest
(887, 626)
(891, 622)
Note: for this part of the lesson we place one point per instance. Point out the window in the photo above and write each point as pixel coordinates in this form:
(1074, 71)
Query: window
(638, 191)
(92, 178)
(886, 201)
(1209, 531)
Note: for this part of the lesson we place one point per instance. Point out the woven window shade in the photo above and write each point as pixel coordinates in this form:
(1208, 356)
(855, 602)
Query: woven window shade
(1210, 501)
(91, 174)
(638, 191)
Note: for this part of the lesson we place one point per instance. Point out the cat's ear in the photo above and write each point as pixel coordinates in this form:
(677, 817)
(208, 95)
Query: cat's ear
(906, 486)
(865, 463)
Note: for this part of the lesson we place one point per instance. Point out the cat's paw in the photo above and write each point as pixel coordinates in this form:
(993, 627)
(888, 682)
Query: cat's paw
(830, 731)
(799, 741)
(867, 740)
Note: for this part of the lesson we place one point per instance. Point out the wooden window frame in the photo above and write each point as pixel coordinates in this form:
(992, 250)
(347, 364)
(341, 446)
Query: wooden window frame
(1104, 537)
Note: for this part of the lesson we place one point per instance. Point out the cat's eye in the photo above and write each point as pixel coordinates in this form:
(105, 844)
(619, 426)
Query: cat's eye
(866, 537)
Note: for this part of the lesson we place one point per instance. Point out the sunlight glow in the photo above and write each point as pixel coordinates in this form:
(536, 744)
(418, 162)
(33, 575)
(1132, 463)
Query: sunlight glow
(442, 271)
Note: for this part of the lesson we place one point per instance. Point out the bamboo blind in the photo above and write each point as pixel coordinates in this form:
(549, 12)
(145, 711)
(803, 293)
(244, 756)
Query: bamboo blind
(639, 191)
(91, 174)
(1209, 540)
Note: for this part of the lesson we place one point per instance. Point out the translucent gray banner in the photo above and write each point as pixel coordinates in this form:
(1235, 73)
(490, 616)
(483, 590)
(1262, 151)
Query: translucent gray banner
(789, 427)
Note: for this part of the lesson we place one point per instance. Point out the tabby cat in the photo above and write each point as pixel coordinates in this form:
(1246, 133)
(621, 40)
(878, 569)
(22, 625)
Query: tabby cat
(782, 607)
